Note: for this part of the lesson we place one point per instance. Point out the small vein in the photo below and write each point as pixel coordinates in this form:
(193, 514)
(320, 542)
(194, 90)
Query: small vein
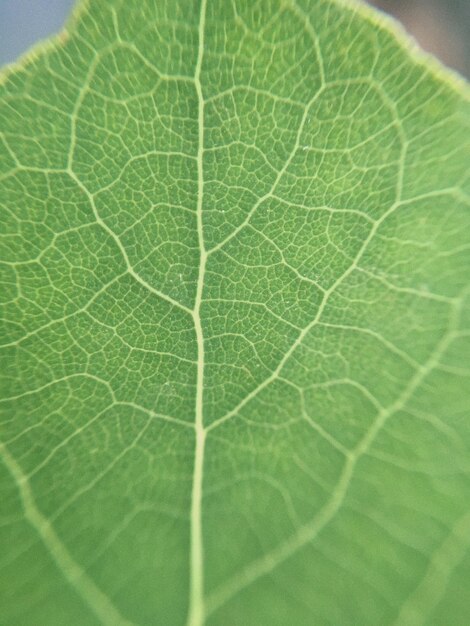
(279, 176)
(130, 270)
(326, 295)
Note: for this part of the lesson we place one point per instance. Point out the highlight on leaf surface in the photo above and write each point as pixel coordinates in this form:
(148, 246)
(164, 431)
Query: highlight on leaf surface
(235, 321)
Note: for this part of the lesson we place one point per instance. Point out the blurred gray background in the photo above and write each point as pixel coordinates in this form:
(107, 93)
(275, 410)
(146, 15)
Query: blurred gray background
(440, 26)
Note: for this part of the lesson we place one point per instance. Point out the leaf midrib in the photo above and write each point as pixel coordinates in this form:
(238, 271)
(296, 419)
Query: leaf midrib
(196, 572)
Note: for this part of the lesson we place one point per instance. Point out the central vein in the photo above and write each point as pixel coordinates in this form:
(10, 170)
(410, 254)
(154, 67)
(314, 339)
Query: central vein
(196, 590)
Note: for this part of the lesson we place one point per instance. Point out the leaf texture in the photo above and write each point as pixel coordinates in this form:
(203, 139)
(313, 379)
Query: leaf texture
(235, 321)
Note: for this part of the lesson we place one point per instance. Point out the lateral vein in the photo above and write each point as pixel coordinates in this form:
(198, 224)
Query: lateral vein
(97, 601)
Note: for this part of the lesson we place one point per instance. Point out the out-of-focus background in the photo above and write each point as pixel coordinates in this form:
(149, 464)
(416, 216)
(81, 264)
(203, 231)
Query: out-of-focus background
(440, 26)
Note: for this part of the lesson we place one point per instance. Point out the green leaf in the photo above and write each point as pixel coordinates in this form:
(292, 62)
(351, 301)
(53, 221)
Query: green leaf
(236, 321)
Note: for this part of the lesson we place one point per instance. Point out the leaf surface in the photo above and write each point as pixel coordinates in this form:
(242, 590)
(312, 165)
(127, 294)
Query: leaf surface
(236, 321)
